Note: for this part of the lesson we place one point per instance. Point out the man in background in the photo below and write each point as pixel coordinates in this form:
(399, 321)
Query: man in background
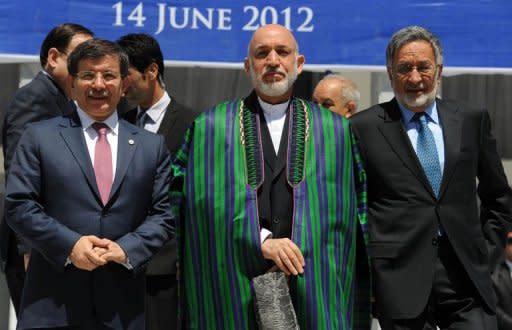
(46, 96)
(338, 94)
(502, 280)
(160, 113)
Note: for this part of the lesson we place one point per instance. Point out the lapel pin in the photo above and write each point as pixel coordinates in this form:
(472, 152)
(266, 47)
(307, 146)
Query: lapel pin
(131, 142)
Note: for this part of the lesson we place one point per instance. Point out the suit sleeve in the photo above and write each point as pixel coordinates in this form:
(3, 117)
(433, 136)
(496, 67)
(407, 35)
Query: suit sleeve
(24, 210)
(159, 225)
(494, 193)
(28, 107)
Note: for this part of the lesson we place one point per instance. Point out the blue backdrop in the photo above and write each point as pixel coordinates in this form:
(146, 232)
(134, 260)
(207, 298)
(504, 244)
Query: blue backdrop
(330, 32)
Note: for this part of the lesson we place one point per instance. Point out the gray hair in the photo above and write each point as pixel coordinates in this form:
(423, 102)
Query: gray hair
(349, 89)
(408, 35)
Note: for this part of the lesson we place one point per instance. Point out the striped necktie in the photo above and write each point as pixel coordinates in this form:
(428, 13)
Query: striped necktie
(427, 152)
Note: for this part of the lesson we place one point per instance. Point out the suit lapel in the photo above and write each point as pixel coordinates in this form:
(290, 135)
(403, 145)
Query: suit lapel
(73, 136)
(451, 122)
(126, 145)
(392, 128)
(168, 123)
(169, 119)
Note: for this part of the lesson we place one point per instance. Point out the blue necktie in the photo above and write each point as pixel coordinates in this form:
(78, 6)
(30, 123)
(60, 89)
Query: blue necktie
(427, 152)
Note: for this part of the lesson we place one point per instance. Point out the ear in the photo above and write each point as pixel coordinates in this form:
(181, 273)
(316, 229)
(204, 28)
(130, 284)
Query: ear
(351, 108)
(71, 84)
(300, 63)
(439, 74)
(125, 84)
(53, 55)
(152, 71)
(390, 74)
(247, 65)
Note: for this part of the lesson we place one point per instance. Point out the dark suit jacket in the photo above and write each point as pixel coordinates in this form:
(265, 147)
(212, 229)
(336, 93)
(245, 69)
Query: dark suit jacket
(52, 200)
(404, 212)
(38, 100)
(503, 289)
(177, 119)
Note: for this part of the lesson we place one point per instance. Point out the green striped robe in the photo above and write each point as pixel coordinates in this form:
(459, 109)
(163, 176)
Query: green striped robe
(216, 178)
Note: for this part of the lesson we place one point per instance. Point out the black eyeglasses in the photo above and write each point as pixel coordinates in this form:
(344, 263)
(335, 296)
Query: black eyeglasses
(509, 240)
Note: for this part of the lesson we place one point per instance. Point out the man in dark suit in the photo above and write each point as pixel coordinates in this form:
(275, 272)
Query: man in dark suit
(502, 280)
(157, 112)
(46, 96)
(89, 195)
(431, 247)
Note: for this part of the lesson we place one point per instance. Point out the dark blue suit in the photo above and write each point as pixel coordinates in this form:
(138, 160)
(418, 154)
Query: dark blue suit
(52, 199)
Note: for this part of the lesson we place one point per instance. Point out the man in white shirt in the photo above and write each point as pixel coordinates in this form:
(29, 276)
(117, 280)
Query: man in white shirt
(89, 195)
(160, 113)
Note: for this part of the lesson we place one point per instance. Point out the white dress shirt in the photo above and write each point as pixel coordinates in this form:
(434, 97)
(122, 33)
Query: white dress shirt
(155, 113)
(275, 116)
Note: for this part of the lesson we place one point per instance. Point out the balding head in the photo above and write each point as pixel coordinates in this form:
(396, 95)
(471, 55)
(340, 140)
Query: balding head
(338, 94)
(273, 63)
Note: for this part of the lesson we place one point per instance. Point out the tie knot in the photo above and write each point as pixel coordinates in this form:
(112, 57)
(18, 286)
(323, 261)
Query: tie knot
(101, 128)
(142, 119)
(420, 117)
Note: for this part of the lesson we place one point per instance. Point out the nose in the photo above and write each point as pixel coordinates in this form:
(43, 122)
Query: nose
(414, 76)
(99, 81)
(273, 58)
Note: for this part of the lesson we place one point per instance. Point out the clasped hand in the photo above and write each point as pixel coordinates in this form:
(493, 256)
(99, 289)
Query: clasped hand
(91, 252)
(285, 254)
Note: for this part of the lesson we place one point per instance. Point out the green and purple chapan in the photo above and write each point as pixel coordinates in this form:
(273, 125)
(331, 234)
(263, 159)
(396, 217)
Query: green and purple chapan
(216, 176)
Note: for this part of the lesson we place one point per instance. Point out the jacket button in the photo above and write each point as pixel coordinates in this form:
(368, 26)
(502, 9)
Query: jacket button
(434, 241)
(276, 220)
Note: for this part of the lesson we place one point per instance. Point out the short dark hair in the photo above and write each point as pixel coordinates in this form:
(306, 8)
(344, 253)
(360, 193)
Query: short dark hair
(97, 48)
(142, 50)
(60, 37)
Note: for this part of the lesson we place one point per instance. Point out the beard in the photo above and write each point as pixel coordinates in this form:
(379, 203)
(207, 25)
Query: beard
(421, 101)
(275, 88)
(418, 101)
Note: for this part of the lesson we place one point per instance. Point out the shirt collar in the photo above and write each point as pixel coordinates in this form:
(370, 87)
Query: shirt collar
(509, 264)
(273, 110)
(431, 112)
(112, 121)
(158, 109)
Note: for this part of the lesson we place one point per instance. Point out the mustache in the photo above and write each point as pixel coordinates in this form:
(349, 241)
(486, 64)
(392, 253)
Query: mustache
(274, 70)
(419, 86)
(94, 93)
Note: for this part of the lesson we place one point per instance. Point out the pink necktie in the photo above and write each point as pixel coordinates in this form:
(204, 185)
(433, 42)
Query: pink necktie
(103, 162)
